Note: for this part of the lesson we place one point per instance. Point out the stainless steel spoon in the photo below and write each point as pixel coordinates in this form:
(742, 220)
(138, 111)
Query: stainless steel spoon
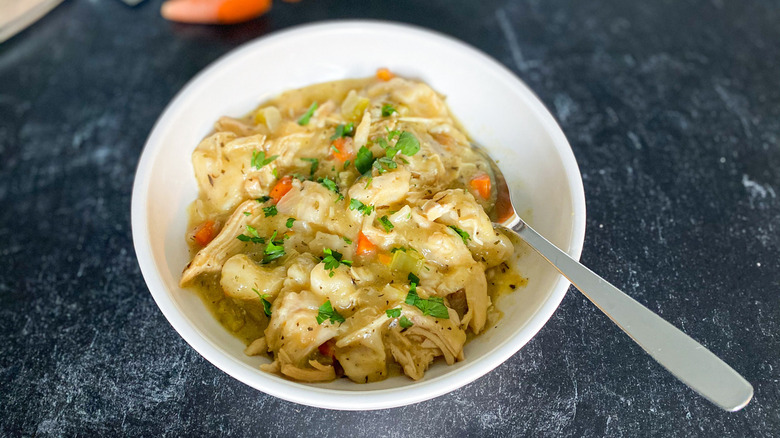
(685, 358)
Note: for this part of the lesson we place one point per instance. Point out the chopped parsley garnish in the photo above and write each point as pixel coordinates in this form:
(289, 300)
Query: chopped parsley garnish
(304, 120)
(347, 239)
(364, 160)
(335, 149)
(266, 303)
(263, 199)
(346, 164)
(408, 144)
(333, 259)
(315, 163)
(326, 312)
(270, 211)
(389, 150)
(329, 184)
(433, 306)
(387, 110)
(275, 172)
(252, 237)
(413, 282)
(463, 235)
(412, 297)
(388, 226)
(246, 213)
(393, 313)
(347, 130)
(290, 222)
(355, 204)
(259, 160)
(245, 238)
(383, 164)
(406, 323)
(267, 308)
(274, 250)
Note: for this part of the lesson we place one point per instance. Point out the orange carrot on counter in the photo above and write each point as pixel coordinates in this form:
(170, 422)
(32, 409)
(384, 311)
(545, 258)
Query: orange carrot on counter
(214, 11)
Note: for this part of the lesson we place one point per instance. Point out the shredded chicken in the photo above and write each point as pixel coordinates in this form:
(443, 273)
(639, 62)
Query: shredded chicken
(213, 256)
(351, 239)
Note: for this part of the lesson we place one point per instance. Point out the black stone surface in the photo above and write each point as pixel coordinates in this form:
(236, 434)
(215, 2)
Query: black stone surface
(672, 109)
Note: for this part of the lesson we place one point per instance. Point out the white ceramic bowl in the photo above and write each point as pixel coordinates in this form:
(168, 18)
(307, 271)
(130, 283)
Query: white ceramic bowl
(496, 108)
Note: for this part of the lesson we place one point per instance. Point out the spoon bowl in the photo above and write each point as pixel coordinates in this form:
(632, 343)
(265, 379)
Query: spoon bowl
(682, 356)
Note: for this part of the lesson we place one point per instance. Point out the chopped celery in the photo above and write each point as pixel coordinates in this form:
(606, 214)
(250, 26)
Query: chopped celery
(360, 108)
(353, 106)
(407, 262)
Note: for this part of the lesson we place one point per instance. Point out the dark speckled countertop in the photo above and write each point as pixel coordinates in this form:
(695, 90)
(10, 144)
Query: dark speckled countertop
(672, 109)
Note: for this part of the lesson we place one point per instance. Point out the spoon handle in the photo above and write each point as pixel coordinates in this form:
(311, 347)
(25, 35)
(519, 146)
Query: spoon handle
(688, 360)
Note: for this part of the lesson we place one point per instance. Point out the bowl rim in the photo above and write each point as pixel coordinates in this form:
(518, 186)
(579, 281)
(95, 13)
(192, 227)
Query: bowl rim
(333, 398)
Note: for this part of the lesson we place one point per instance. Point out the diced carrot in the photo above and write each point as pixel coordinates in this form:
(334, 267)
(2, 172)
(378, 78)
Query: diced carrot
(281, 188)
(214, 11)
(328, 348)
(364, 247)
(481, 185)
(205, 233)
(384, 74)
(343, 149)
(385, 258)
